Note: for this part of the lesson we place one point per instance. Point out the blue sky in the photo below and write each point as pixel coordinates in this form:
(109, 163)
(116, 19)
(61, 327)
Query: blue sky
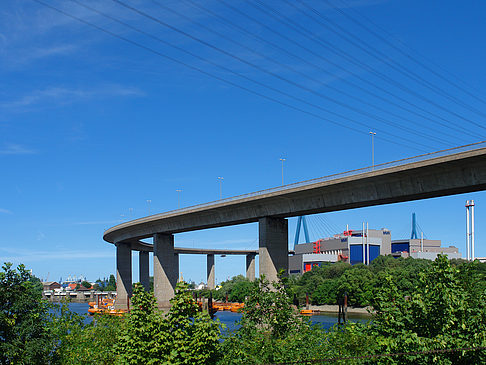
(93, 126)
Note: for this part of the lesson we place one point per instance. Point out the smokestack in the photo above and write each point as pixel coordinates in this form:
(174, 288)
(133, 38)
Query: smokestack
(470, 230)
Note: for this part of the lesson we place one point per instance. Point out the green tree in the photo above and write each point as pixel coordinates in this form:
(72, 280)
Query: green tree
(271, 329)
(237, 288)
(26, 336)
(111, 286)
(358, 283)
(441, 313)
(86, 284)
(326, 292)
(184, 336)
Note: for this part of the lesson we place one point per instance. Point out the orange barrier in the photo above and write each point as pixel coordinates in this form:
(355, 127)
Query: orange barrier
(105, 306)
(308, 312)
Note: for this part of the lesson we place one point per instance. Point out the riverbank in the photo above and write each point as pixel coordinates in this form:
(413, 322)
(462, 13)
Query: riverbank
(326, 320)
(75, 296)
(334, 309)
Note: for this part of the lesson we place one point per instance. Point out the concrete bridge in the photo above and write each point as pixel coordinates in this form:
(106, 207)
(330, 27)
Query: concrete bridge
(454, 171)
(166, 267)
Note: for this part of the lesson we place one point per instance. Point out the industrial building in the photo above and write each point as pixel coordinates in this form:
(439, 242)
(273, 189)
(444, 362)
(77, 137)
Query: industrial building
(363, 246)
(423, 249)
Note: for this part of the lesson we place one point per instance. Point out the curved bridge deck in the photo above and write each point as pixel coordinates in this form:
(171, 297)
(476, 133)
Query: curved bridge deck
(454, 171)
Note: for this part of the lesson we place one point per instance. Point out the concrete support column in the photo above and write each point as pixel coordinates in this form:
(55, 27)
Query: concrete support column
(210, 271)
(166, 267)
(250, 266)
(143, 269)
(123, 275)
(273, 246)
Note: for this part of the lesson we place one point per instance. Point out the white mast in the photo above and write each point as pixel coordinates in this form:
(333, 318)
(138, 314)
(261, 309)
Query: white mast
(467, 231)
(472, 230)
(367, 245)
(363, 244)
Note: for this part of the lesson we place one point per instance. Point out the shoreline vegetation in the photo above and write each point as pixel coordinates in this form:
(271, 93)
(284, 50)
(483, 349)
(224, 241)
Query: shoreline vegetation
(334, 309)
(439, 318)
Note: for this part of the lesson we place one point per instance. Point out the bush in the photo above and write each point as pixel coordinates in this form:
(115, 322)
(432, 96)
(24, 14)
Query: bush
(237, 288)
(92, 343)
(271, 329)
(26, 333)
(184, 336)
(441, 313)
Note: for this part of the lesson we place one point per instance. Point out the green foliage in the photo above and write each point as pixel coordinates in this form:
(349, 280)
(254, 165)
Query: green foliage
(271, 329)
(358, 283)
(193, 337)
(419, 306)
(26, 336)
(106, 285)
(327, 283)
(184, 336)
(111, 286)
(86, 284)
(139, 342)
(440, 313)
(326, 292)
(237, 288)
(36, 284)
(91, 343)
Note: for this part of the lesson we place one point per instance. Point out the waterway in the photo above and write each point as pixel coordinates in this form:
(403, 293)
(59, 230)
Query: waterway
(230, 318)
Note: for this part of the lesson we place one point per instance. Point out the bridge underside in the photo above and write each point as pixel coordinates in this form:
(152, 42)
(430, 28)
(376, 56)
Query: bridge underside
(420, 180)
(441, 176)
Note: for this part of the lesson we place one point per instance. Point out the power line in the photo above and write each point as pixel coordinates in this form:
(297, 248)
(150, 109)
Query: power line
(391, 44)
(335, 49)
(195, 68)
(220, 66)
(279, 77)
(383, 58)
(361, 100)
(359, 64)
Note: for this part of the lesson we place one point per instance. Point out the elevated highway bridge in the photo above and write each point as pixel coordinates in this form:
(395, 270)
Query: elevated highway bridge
(454, 171)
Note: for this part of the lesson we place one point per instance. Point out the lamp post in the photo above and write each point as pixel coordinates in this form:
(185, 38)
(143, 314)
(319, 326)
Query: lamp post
(179, 191)
(148, 205)
(282, 160)
(372, 150)
(220, 187)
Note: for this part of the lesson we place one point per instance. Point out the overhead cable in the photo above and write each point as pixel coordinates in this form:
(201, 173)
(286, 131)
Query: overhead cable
(229, 82)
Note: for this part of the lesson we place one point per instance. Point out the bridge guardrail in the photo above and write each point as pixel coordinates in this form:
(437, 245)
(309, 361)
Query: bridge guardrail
(423, 157)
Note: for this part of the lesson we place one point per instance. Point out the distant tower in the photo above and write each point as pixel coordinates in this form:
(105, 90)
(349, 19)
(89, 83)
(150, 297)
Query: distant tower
(470, 230)
(301, 221)
(414, 227)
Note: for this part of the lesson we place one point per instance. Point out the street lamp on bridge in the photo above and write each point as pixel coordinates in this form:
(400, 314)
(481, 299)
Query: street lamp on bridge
(282, 160)
(220, 187)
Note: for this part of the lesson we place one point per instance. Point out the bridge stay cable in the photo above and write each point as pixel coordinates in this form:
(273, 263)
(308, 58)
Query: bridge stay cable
(337, 50)
(369, 48)
(236, 73)
(406, 54)
(281, 78)
(231, 83)
(446, 123)
(313, 79)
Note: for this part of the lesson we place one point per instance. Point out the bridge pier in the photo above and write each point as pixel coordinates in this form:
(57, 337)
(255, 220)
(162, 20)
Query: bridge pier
(166, 267)
(143, 269)
(273, 246)
(250, 266)
(210, 272)
(123, 275)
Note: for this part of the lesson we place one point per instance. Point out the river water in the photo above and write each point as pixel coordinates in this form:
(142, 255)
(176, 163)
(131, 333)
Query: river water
(230, 318)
